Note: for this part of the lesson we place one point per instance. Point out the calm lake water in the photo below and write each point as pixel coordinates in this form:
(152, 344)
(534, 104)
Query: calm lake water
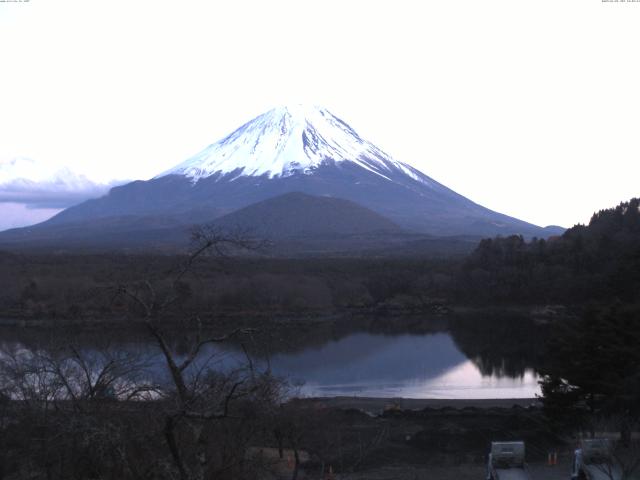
(363, 364)
(408, 365)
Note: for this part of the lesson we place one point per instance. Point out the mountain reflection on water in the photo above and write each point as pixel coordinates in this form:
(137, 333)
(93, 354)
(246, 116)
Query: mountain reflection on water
(477, 359)
(406, 365)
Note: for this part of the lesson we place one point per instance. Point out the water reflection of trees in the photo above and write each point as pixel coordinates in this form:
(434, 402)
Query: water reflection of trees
(297, 337)
(500, 344)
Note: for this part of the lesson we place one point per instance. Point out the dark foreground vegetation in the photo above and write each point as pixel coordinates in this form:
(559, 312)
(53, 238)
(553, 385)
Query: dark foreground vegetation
(69, 412)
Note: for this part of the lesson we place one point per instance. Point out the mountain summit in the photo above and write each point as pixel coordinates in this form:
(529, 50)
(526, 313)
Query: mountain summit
(286, 141)
(288, 149)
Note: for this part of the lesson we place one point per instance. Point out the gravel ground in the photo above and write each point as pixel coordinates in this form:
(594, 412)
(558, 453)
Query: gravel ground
(459, 472)
(440, 439)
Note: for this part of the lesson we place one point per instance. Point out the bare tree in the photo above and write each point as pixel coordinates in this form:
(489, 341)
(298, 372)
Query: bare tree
(621, 463)
(199, 397)
(620, 455)
(67, 407)
(75, 412)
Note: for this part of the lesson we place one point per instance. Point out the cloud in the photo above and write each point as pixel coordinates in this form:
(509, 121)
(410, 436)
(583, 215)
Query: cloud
(49, 194)
(24, 181)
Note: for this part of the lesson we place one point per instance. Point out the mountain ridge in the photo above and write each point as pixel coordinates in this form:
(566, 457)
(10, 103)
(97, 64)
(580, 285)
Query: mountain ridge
(297, 214)
(297, 149)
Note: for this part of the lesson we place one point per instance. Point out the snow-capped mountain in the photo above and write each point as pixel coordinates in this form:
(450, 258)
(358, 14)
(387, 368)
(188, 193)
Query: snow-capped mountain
(286, 141)
(294, 149)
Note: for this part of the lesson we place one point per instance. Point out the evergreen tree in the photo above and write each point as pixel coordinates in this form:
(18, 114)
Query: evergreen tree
(593, 367)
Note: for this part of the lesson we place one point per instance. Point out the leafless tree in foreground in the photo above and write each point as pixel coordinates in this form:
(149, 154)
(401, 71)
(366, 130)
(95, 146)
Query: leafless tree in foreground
(621, 461)
(64, 408)
(69, 412)
(209, 416)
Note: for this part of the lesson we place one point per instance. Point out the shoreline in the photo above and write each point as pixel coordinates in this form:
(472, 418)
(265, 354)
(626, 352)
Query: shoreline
(380, 404)
(434, 313)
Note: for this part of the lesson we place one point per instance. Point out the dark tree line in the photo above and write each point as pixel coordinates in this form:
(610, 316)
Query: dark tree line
(597, 262)
(590, 365)
(592, 369)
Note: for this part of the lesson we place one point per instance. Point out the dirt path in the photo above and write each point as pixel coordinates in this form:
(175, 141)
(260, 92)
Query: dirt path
(457, 472)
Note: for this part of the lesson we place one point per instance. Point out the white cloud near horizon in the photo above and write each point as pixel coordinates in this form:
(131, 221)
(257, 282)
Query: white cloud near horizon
(528, 108)
(31, 192)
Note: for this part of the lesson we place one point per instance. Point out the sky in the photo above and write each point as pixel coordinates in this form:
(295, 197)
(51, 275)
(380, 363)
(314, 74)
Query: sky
(530, 108)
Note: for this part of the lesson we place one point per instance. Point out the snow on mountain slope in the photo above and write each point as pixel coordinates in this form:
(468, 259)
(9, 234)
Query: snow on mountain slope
(289, 140)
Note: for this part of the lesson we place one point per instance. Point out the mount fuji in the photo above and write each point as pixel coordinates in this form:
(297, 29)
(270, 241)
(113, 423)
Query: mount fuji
(288, 149)
(287, 141)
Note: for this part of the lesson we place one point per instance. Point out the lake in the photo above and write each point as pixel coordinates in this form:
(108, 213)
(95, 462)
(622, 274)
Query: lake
(404, 365)
(408, 365)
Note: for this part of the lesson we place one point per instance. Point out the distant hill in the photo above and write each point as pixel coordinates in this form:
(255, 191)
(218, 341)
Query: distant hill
(121, 233)
(297, 214)
(296, 224)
